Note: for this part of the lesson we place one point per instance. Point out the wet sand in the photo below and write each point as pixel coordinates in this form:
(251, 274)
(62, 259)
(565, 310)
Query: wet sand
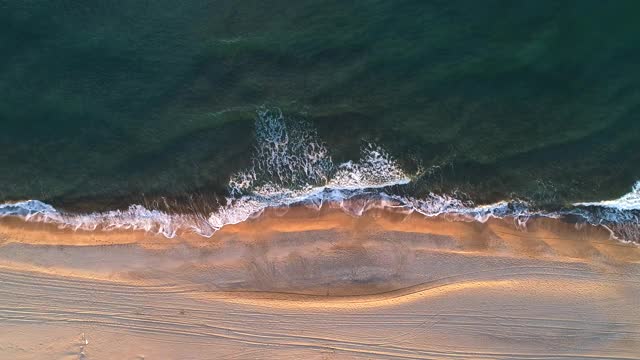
(321, 285)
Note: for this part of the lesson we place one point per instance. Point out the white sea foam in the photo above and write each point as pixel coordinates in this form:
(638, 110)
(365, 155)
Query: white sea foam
(630, 201)
(356, 202)
(620, 216)
(291, 165)
(26, 209)
(286, 156)
(136, 217)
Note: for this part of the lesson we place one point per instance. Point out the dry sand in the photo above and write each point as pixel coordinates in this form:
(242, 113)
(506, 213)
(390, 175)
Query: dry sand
(321, 285)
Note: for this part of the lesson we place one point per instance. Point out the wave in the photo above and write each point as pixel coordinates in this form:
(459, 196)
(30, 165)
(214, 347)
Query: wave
(621, 216)
(136, 217)
(630, 201)
(355, 202)
(291, 166)
(623, 224)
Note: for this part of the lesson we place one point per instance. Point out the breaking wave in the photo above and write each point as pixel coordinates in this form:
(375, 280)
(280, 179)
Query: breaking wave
(621, 216)
(291, 166)
(630, 201)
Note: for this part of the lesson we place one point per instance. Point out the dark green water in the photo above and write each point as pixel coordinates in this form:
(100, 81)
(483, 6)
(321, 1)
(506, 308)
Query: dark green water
(101, 102)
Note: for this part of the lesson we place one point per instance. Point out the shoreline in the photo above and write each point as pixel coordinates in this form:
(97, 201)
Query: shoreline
(620, 217)
(293, 218)
(293, 230)
(300, 218)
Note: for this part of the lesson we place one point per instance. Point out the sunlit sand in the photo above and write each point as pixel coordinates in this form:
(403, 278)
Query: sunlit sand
(321, 285)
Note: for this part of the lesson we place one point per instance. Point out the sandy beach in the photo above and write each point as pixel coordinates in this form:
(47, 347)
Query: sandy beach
(321, 284)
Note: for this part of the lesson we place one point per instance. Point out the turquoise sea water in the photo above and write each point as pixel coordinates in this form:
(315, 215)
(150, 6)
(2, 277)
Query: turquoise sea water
(103, 104)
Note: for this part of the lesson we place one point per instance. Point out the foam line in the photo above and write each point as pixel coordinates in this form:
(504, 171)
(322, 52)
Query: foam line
(291, 166)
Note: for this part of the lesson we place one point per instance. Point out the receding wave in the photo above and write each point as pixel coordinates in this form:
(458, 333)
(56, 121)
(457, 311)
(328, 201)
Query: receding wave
(621, 216)
(292, 167)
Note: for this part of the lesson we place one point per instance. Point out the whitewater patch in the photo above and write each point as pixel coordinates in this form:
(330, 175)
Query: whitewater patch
(136, 217)
(620, 216)
(629, 201)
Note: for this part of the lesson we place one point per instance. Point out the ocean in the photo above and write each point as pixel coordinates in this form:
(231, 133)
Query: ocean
(174, 117)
